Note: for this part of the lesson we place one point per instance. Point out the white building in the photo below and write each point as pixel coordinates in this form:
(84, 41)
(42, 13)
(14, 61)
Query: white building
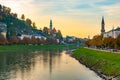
(24, 35)
(112, 33)
(3, 29)
(30, 36)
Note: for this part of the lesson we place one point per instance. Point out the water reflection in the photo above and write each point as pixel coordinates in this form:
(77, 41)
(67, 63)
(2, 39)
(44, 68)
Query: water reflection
(42, 65)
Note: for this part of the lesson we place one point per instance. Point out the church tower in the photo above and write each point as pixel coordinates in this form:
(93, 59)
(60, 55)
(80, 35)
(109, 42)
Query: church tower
(50, 25)
(102, 26)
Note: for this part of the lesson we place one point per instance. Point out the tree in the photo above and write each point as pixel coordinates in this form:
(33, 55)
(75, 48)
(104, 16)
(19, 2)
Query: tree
(3, 41)
(49, 41)
(88, 43)
(42, 41)
(59, 35)
(6, 10)
(56, 41)
(23, 17)
(29, 21)
(14, 40)
(14, 15)
(109, 42)
(34, 25)
(38, 41)
(118, 41)
(26, 40)
(97, 41)
(33, 40)
(10, 32)
(45, 30)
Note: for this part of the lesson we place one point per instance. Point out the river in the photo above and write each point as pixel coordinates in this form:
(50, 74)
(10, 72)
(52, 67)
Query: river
(43, 65)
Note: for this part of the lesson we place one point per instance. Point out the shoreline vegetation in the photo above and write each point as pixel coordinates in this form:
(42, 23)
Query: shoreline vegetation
(105, 64)
(26, 48)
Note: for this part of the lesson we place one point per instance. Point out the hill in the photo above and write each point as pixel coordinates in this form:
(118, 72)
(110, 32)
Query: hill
(15, 26)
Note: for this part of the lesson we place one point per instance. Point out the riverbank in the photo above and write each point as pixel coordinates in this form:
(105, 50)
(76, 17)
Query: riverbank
(25, 48)
(15, 48)
(105, 64)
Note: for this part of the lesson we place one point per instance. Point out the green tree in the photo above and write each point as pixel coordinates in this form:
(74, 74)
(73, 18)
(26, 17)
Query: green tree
(34, 25)
(23, 17)
(14, 15)
(45, 30)
(10, 32)
(29, 21)
(6, 10)
(59, 35)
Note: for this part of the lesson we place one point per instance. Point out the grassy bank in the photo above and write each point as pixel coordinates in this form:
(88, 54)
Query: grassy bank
(15, 48)
(106, 62)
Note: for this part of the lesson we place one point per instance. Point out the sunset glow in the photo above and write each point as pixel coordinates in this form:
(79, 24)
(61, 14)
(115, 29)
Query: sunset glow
(73, 17)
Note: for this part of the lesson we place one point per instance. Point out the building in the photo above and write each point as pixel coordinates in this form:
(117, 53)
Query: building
(102, 26)
(50, 25)
(3, 29)
(24, 35)
(37, 36)
(52, 30)
(70, 39)
(112, 33)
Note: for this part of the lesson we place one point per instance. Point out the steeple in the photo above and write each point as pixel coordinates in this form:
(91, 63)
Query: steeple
(102, 25)
(51, 25)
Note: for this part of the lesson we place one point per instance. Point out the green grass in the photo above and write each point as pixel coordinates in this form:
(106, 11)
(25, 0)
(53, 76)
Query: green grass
(15, 48)
(26, 48)
(107, 62)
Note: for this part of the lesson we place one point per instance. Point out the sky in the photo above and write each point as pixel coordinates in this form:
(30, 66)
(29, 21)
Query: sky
(80, 18)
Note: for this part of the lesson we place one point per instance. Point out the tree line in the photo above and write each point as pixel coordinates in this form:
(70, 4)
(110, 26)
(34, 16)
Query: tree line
(26, 40)
(99, 42)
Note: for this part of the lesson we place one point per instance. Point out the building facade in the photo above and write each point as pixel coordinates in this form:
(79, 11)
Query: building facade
(112, 33)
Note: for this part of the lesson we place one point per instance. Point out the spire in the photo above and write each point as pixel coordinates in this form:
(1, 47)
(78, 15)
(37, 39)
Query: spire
(51, 25)
(102, 25)
(103, 20)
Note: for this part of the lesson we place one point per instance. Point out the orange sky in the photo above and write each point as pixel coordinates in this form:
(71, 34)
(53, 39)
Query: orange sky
(76, 17)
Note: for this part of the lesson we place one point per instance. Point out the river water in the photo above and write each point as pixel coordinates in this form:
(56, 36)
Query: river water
(43, 65)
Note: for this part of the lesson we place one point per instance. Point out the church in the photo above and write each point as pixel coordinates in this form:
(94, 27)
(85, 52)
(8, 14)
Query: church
(111, 33)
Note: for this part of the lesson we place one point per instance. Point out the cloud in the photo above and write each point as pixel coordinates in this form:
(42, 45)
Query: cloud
(112, 10)
(79, 12)
(65, 8)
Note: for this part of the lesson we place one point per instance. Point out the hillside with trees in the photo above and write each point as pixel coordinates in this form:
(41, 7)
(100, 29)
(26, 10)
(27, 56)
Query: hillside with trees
(17, 27)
